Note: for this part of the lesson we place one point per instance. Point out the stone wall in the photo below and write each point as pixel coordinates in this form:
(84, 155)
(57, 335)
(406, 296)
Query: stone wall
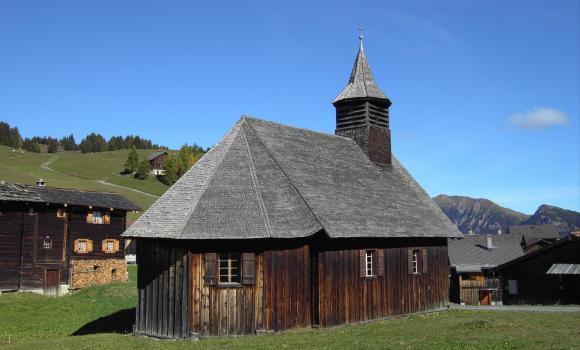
(85, 273)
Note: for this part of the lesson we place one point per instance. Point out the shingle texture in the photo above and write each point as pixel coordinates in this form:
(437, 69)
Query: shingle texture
(470, 253)
(266, 180)
(20, 193)
(534, 233)
(361, 83)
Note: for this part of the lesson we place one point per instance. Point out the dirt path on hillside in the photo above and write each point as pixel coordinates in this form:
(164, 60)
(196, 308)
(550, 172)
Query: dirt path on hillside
(46, 166)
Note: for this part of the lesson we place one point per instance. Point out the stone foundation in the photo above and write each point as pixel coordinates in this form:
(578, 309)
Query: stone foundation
(86, 273)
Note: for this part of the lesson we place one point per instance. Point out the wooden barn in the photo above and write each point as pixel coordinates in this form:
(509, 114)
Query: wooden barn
(53, 240)
(550, 275)
(278, 227)
(472, 259)
(157, 162)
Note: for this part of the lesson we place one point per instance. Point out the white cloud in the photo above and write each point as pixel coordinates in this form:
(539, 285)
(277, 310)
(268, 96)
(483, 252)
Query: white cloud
(538, 118)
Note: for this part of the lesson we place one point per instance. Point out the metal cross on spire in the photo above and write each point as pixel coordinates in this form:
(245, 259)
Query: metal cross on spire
(360, 36)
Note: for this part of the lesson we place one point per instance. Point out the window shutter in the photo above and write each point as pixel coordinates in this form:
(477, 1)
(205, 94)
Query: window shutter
(424, 260)
(248, 268)
(89, 246)
(380, 262)
(362, 262)
(116, 245)
(104, 246)
(90, 217)
(209, 277)
(107, 219)
(76, 246)
(410, 261)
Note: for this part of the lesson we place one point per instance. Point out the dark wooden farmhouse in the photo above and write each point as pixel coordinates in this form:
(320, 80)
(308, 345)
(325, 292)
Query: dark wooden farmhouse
(550, 275)
(279, 227)
(472, 260)
(53, 239)
(534, 237)
(157, 162)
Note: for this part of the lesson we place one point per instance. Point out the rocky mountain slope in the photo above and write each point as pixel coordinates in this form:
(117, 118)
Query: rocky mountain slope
(566, 220)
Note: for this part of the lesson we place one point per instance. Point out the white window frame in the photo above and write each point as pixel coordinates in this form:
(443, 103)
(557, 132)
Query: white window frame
(98, 217)
(369, 263)
(110, 246)
(82, 246)
(415, 261)
(46, 244)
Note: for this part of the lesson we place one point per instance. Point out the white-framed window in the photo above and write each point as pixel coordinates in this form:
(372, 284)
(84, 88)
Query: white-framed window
(369, 263)
(415, 260)
(97, 217)
(110, 246)
(82, 247)
(46, 244)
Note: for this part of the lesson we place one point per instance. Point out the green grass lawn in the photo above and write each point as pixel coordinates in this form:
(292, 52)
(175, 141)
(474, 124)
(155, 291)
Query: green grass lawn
(35, 321)
(81, 171)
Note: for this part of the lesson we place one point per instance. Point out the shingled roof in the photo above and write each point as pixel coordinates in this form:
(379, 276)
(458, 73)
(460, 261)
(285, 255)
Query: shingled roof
(155, 155)
(267, 180)
(361, 83)
(535, 233)
(37, 194)
(470, 253)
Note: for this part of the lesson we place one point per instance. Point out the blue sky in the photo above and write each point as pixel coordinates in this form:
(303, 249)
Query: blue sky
(485, 94)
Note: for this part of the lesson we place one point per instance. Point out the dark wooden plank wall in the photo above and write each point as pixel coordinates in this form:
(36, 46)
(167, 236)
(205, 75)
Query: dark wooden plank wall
(10, 242)
(80, 229)
(163, 289)
(282, 294)
(23, 260)
(535, 286)
(346, 297)
(287, 290)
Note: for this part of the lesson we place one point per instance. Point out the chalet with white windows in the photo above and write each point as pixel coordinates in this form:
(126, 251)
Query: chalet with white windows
(54, 239)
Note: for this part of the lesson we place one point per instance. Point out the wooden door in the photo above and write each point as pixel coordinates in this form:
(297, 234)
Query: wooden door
(51, 282)
(484, 297)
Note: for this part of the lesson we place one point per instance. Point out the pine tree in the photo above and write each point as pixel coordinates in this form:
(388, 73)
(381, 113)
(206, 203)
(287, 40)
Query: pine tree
(170, 175)
(132, 162)
(143, 170)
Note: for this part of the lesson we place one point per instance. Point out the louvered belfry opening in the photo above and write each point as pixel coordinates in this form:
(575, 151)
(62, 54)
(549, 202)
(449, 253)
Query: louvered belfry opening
(362, 112)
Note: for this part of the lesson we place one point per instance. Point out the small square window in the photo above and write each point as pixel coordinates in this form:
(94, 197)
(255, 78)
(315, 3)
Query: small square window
(229, 268)
(82, 247)
(47, 244)
(60, 213)
(110, 246)
(97, 217)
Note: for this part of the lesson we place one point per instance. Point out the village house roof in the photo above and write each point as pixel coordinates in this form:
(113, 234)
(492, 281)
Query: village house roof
(535, 233)
(155, 155)
(37, 194)
(267, 180)
(361, 83)
(470, 253)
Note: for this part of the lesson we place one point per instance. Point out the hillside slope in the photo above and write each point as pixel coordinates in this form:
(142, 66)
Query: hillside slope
(481, 215)
(566, 220)
(76, 170)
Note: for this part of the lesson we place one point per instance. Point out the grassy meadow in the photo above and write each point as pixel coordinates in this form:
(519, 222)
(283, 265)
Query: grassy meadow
(79, 171)
(102, 317)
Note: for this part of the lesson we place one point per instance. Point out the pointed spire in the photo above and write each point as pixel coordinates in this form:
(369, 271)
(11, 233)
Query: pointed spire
(361, 83)
(360, 37)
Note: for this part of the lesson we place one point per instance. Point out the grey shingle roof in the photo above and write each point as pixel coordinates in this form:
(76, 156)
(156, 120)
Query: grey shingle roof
(36, 194)
(469, 254)
(155, 155)
(361, 83)
(534, 233)
(267, 180)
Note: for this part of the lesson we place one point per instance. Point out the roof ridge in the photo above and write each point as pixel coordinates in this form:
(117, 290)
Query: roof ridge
(286, 176)
(256, 183)
(59, 188)
(235, 129)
